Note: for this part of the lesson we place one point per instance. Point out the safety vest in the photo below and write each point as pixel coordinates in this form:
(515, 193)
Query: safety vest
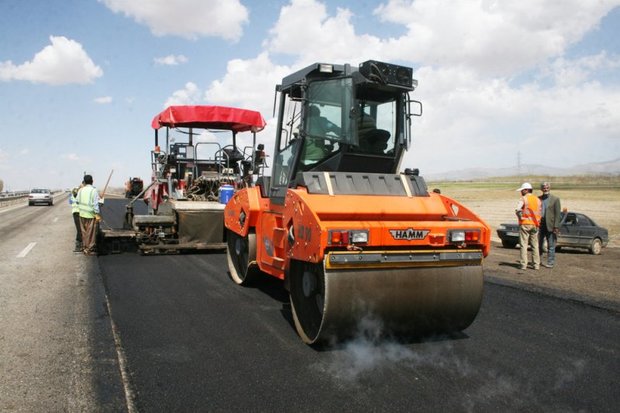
(86, 201)
(532, 211)
(75, 208)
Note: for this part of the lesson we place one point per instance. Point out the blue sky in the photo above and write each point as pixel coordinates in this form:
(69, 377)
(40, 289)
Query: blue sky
(80, 80)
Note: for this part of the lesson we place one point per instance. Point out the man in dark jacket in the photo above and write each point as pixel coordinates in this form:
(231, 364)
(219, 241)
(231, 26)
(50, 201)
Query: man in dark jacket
(550, 222)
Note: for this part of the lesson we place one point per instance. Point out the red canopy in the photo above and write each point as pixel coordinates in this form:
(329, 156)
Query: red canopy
(210, 117)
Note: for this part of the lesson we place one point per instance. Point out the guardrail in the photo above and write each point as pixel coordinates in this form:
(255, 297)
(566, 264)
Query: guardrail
(13, 198)
(7, 196)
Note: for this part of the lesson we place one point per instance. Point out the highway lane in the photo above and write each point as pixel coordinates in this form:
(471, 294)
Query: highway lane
(57, 350)
(18, 213)
(191, 340)
(194, 341)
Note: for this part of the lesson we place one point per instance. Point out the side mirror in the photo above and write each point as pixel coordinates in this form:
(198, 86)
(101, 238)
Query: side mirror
(417, 108)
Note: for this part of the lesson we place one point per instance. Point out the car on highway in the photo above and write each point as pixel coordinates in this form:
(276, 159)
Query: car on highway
(40, 196)
(577, 230)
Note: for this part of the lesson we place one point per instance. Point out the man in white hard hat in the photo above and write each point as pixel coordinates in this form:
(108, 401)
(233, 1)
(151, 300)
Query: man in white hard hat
(529, 213)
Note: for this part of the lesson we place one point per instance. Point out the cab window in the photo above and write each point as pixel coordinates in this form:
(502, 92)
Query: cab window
(376, 126)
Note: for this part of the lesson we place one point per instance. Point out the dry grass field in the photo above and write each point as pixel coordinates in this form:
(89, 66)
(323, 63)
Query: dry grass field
(495, 200)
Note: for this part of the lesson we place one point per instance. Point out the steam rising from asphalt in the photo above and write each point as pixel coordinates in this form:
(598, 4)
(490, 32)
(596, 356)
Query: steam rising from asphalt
(370, 351)
(366, 352)
(568, 375)
(370, 354)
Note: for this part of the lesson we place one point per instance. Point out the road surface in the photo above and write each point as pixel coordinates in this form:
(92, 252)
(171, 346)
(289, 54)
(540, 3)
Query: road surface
(181, 336)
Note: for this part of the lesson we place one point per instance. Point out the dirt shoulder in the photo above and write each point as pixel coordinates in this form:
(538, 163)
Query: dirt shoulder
(577, 275)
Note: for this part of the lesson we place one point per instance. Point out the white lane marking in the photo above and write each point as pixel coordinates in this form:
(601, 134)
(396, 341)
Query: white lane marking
(26, 250)
(130, 395)
(55, 220)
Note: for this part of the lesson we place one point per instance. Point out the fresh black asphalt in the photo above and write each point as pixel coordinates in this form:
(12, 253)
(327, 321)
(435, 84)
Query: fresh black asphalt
(195, 341)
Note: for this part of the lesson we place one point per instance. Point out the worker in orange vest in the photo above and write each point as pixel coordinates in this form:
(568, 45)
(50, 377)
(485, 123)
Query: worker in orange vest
(529, 212)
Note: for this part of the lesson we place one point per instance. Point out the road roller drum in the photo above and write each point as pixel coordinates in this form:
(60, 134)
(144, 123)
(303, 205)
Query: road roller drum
(328, 305)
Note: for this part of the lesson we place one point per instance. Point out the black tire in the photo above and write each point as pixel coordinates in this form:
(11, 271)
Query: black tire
(307, 295)
(508, 244)
(241, 254)
(596, 246)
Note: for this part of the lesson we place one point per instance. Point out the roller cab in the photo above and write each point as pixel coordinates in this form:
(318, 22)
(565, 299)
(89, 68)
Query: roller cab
(351, 235)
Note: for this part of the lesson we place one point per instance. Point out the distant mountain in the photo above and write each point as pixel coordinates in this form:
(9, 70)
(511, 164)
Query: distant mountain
(603, 168)
(595, 168)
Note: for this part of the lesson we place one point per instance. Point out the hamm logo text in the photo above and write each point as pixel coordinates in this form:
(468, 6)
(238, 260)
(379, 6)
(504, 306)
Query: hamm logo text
(409, 234)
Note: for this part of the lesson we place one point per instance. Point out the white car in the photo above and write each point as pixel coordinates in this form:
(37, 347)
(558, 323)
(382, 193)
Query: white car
(40, 196)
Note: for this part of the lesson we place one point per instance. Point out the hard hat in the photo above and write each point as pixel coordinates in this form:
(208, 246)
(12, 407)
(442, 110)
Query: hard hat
(525, 185)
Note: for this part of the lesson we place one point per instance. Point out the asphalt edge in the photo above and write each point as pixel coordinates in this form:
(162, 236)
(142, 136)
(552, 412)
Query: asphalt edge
(606, 305)
(130, 394)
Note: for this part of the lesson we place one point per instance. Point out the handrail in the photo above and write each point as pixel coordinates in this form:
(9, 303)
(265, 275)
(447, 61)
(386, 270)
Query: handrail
(9, 196)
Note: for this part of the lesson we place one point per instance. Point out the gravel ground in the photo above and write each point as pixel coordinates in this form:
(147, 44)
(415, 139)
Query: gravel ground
(577, 275)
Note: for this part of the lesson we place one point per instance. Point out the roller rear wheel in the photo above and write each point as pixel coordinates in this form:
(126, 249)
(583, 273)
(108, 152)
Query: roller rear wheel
(241, 253)
(307, 294)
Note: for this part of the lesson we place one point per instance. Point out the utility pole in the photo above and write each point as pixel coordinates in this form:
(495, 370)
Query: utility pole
(519, 163)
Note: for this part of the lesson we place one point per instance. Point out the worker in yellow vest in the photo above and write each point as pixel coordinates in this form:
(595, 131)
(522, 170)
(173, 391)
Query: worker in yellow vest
(529, 212)
(75, 211)
(87, 199)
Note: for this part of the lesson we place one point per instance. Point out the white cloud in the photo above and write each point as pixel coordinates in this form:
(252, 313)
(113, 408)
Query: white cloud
(71, 157)
(466, 56)
(248, 84)
(493, 37)
(63, 62)
(189, 95)
(306, 22)
(568, 72)
(186, 18)
(245, 85)
(171, 60)
(488, 122)
(103, 100)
